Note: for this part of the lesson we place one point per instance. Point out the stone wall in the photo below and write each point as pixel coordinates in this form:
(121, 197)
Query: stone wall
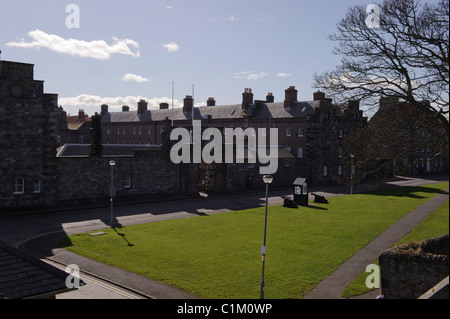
(409, 270)
(27, 138)
(146, 175)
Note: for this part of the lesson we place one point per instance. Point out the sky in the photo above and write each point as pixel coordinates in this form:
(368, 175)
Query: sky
(93, 52)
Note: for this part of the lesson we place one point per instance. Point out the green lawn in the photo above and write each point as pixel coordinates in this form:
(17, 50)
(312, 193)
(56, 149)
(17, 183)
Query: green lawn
(219, 256)
(435, 225)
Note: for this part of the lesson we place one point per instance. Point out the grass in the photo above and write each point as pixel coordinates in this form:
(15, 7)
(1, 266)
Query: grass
(218, 256)
(435, 225)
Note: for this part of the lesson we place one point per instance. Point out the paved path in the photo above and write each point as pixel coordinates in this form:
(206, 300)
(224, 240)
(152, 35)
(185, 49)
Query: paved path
(332, 287)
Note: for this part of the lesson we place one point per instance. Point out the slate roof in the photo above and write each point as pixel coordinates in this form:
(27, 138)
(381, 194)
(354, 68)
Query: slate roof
(263, 110)
(23, 276)
(299, 181)
(277, 110)
(82, 150)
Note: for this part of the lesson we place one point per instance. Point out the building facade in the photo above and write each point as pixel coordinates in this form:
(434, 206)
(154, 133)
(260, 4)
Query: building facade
(418, 144)
(28, 118)
(311, 132)
(49, 158)
(34, 173)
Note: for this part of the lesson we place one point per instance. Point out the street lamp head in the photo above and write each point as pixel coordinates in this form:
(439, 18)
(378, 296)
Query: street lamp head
(267, 179)
(352, 155)
(112, 163)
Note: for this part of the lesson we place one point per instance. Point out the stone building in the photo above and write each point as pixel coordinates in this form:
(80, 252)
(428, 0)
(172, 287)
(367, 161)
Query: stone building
(311, 131)
(415, 142)
(28, 119)
(35, 173)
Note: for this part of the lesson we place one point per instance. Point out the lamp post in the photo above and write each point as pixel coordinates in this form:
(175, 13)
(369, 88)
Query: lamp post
(267, 180)
(112, 163)
(351, 174)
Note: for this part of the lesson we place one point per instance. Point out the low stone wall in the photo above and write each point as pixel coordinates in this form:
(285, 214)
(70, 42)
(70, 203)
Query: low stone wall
(409, 270)
(145, 175)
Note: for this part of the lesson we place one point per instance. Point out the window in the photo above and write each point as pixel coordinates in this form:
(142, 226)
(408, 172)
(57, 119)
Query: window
(339, 170)
(300, 132)
(341, 133)
(134, 131)
(58, 139)
(149, 131)
(19, 185)
(37, 186)
(325, 170)
(81, 139)
(340, 151)
(288, 131)
(300, 152)
(127, 182)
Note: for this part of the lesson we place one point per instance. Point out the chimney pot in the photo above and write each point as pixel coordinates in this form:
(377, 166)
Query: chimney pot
(163, 106)
(270, 98)
(125, 108)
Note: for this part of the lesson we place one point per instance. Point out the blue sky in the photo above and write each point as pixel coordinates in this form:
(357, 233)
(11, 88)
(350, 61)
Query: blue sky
(127, 50)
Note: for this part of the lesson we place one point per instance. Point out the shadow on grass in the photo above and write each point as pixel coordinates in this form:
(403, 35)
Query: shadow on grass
(310, 206)
(122, 235)
(65, 242)
(410, 192)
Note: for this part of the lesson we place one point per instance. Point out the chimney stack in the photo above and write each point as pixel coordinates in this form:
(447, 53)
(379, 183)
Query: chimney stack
(125, 108)
(95, 145)
(211, 102)
(388, 102)
(163, 106)
(290, 96)
(188, 103)
(353, 105)
(270, 98)
(247, 98)
(142, 106)
(104, 109)
(81, 115)
(318, 96)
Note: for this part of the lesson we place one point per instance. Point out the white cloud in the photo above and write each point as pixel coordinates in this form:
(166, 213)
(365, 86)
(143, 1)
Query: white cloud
(233, 18)
(133, 77)
(114, 103)
(169, 7)
(249, 75)
(283, 75)
(97, 49)
(171, 47)
(255, 76)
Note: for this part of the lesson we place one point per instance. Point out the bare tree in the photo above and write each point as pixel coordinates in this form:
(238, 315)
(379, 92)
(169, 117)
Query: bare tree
(403, 53)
